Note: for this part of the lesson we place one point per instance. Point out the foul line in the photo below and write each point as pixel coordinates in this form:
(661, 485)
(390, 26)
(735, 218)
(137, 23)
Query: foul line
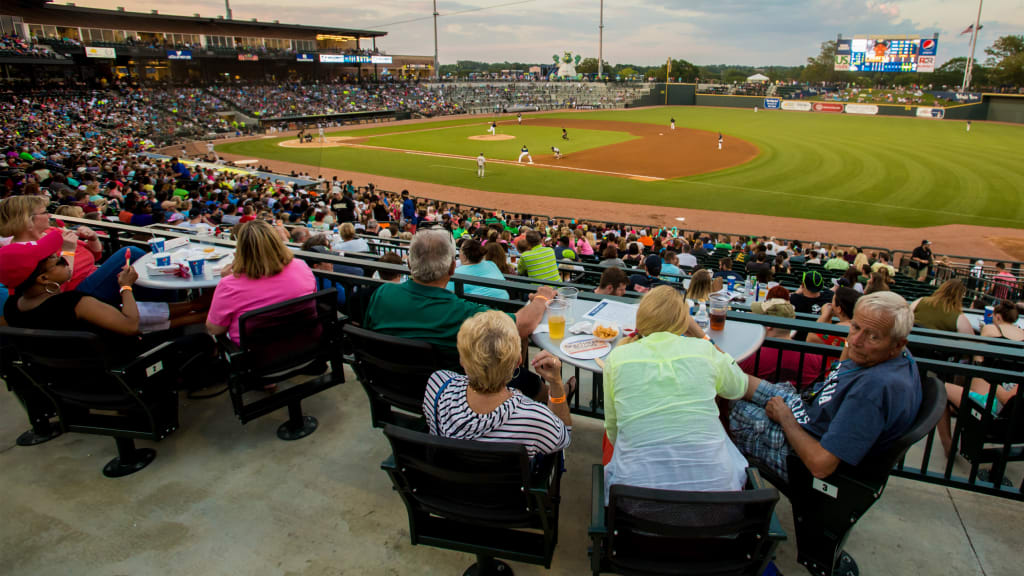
(506, 162)
(843, 200)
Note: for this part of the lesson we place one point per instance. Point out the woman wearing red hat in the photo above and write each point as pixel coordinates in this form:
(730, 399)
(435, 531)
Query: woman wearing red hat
(26, 220)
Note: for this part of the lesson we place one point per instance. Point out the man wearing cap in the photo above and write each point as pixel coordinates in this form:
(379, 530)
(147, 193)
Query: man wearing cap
(810, 297)
(870, 398)
(921, 259)
(644, 282)
(763, 364)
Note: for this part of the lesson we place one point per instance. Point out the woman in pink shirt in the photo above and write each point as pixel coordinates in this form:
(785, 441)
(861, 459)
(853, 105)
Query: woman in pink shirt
(263, 273)
(582, 246)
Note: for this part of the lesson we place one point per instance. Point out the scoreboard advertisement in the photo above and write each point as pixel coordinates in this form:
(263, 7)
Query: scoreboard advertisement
(886, 54)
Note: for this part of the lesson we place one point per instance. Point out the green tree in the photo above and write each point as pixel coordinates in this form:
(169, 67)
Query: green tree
(626, 71)
(951, 73)
(1006, 59)
(682, 70)
(822, 67)
(589, 66)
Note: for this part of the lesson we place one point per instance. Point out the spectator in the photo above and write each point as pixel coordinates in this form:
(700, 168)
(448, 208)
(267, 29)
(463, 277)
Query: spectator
(660, 413)
(482, 405)
(760, 263)
(1003, 282)
(349, 241)
(767, 365)
(633, 257)
(613, 281)
(648, 280)
(583, 246)
(610, 257)
(726, 272)
(798, 256)
(198, 222)
(837, 262)
(423, 310)
(388, 275)
(877, 283)
(563, 251)
(920, 260)
(943, 310)
(1004, 319)
(263, 273)
(883, 262)
(539, 261)
(872, 398)
(687, 259)
(700, 287)
(496, 254)
(471, 255)
(843, 302)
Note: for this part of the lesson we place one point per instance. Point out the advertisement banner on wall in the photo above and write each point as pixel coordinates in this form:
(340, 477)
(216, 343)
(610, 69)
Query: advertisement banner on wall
(869, 109)
(772, 103)
(179, 54)
(332, 58)
(926, 63)
(796, 105)
(827, 107)
(380, 59)
(95, 52)
(929, 47)
(937, 113)
(305, 57)
(248, 58)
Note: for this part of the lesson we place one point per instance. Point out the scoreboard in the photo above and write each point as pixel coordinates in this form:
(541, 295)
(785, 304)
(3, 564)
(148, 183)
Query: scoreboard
(886, 54)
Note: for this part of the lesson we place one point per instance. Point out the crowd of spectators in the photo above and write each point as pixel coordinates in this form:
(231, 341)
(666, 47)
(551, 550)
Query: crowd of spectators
(297, 99)
(16, 46)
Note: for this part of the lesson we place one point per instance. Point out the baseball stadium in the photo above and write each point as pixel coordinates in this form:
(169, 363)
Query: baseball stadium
(347, 302)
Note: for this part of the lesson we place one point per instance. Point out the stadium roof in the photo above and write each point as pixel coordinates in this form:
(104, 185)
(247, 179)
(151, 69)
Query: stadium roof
(45, 12)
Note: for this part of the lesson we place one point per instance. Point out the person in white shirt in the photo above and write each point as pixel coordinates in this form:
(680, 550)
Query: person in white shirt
(481, 162)
(349, 242)
(686, 259)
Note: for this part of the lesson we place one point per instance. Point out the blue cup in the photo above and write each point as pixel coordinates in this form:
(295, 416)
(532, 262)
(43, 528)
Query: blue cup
(196, 265)
(163, 259)
(156, 245)
(989, 312)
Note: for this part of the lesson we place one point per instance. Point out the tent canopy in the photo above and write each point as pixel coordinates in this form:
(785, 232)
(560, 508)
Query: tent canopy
(757, 78)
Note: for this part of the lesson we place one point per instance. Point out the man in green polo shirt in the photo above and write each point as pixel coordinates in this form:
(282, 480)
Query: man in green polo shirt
(422, 309)
(539, 261)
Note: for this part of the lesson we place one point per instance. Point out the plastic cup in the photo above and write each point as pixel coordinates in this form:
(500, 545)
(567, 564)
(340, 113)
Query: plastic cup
(719, 309)
(568, 295)
(556, 319)
(163, 259)
(989, 313)
(156, 245)
(196, 265)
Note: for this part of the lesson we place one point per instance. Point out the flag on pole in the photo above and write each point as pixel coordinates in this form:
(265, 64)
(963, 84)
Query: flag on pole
(971, 29)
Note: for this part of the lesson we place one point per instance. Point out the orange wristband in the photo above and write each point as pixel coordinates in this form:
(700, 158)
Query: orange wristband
(558, 400)
(68, 253)
(126, 289)
(545, 298)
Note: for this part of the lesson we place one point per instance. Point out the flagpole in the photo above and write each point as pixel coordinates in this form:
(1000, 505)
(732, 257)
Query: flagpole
(970, 60)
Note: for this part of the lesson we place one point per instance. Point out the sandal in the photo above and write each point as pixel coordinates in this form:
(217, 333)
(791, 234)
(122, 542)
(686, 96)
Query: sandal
(570, 387)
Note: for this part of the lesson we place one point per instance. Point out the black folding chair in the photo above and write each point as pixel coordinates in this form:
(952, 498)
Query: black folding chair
(825, 510)
(648, 531)
(94, 394)
(394, 373)
(38, 407)
(484, 498)
(292, 339)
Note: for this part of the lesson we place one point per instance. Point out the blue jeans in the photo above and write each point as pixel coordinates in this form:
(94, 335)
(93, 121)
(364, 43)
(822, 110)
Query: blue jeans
(102, 283)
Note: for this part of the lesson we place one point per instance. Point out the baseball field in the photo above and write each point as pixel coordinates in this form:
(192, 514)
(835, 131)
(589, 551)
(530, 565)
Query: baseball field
(889, 171)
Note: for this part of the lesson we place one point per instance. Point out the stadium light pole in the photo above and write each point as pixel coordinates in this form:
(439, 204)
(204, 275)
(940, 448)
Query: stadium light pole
(600, 45)
(437, 73)
(227, 9)
(970, 59)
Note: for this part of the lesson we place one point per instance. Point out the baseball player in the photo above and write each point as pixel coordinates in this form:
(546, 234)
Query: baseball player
(184, 149)
(719, 140)
(968, 125)
(519, 118)
(565, 135)
(494, 128)
(556, 152)
(480, 163)
(320, 133)
(524, 151)
(211, 151)
(672, 123)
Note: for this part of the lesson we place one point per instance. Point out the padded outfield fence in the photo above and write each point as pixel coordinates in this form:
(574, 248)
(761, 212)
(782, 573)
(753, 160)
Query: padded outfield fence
(984, 439)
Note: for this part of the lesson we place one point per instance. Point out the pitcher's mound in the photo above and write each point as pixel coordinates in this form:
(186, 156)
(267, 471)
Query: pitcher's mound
(331, 141)
(492, 137)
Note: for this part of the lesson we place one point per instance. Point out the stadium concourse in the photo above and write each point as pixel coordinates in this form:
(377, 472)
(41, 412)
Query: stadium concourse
(83, 194)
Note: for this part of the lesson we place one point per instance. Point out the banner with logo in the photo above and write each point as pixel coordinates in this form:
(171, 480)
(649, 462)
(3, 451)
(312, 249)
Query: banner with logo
(827, 107)
(796, 105)
(179, 54)
(248, 58)
(929, 47)
(869, 109)
(967, 97)
(937, 113)
(380, 59)
(332, 58)
(96, 52)
(772, 103)
(926, 63)
(305, 57)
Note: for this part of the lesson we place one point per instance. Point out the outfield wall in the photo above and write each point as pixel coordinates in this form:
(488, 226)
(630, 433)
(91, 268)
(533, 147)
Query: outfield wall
(1005, 108)
(727, 101)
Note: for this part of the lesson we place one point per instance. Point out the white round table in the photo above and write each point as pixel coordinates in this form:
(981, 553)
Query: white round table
(209, 278)
(739, 339)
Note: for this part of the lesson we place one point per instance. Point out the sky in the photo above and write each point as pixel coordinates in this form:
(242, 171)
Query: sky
(644, 32)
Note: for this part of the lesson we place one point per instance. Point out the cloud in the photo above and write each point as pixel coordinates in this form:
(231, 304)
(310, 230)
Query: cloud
(883, 8)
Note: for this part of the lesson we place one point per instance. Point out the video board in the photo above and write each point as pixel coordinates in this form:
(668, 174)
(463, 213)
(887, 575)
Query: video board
(886, 54)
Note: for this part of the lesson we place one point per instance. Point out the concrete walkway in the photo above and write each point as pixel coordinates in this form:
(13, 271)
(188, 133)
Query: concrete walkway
(226, 499)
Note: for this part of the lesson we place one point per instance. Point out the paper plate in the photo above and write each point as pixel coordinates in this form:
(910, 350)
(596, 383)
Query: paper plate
(585, 347)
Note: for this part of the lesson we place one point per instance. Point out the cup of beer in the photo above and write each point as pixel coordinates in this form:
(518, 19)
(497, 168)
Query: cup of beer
(718, 312)
(557, 310)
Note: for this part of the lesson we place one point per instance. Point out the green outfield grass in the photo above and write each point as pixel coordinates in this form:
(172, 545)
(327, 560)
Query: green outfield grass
(876, 170)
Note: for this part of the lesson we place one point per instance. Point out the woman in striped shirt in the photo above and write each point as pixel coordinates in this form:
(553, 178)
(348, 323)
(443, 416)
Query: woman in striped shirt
(480, 406)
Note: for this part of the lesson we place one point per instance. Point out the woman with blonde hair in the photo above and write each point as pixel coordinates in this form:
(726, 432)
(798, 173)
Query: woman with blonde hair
(583, 245)
(700, 286)
(943, 310)
(481, 406)
(263, 273)
(70, 211)
(349, 241)
(660, 412)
